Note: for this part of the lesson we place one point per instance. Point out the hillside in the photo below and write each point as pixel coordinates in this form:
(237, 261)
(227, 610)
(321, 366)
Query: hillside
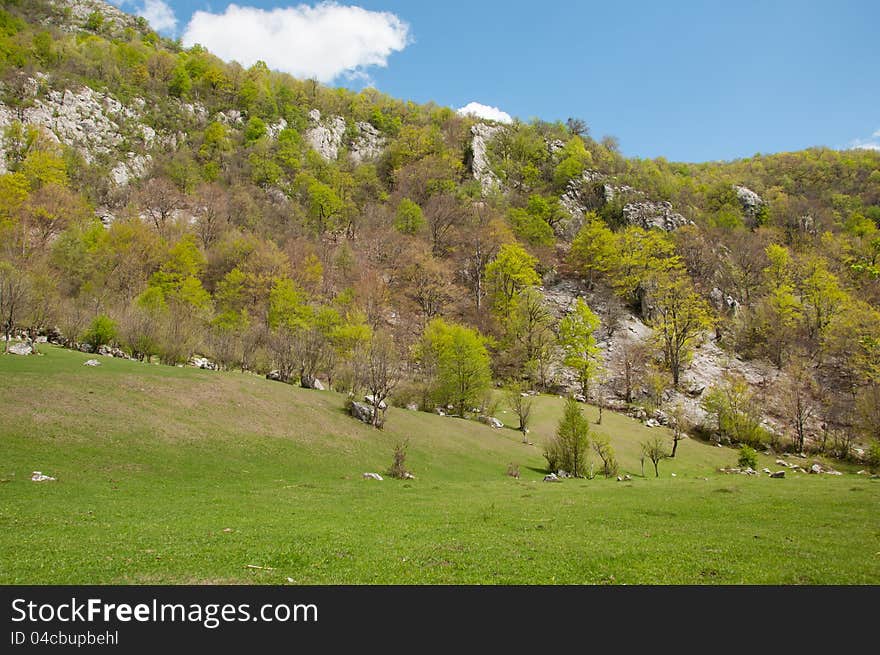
(165, 206)
(176, 475)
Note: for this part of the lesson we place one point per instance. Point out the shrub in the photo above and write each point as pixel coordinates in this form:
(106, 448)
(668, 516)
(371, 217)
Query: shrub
(398, 463)
(748, 457)
(101, 331)
(874, 456)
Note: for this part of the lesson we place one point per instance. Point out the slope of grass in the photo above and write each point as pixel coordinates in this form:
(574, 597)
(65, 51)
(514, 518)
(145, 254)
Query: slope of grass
(173, 475)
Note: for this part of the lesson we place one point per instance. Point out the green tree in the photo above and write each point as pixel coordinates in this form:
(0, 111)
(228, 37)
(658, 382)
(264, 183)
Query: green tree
(568, 450)
(512, 270)
(409, 218)
(680, 317)
(460, 361)
(593, 250)
(581, 352)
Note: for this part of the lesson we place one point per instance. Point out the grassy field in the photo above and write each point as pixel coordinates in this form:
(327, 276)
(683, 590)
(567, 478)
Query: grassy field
(173, 475)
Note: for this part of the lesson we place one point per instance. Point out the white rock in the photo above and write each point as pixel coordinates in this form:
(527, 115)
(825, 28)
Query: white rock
(37, 476)
(91, 362)
(372, 476)
(21, 348)
(482, 133)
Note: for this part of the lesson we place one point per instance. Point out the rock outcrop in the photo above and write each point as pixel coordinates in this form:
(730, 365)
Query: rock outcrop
(751, 202)
(325, 135)
(93, 123)
(482, 133)
(649, 214)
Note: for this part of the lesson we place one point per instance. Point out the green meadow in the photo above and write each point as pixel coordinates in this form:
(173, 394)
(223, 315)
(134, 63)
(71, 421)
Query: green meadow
(183, 476)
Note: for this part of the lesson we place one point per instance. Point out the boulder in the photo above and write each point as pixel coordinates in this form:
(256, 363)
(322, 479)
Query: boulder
(652, 423)
(21, 348)
(816, 468)
(91, 362)
(750, 201)
(551, 478)
(37, 476)
(413, 407)
(372, 476)
(362, 412)
(627, 477)
(491, 421)
(369, 399)
(317, 385)
(778, 474)
(202, 362)
(274, 375)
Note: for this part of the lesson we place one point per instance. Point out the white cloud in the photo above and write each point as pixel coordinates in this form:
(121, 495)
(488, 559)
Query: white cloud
(159, 15)
(325, 41)
(867, 146)
(485, 111)
(876, 134)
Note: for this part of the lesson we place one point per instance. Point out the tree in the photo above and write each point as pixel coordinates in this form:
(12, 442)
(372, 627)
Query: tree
(634, 356)
(569, 448)
(602, 447)
(13, 293)
(799, 400)
(655, 450)
(288, 315)
(512, 270)
(735, 410)
(680, 317)
(581, 352)
(520, 403)
(677, 423)
(160, 201)
(382, 373)
(409, 218)
(458, 356)
(593, 250)
(529, 335)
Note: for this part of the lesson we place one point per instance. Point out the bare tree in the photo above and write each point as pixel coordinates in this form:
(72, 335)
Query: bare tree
(634, 356)
(382, 373)
(443, 213)
(13, 292)
(799, 399)
(521, 403)
(655, 450)
(212, 213)
(160, 200)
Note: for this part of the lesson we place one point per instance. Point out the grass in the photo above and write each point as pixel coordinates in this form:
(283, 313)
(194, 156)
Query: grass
(173, 475)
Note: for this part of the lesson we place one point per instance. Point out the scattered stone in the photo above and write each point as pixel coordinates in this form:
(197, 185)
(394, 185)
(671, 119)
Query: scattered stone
(766, 470)
(91, 362)
(619, 479)
(274, 375)
(317, 385)
(21, 348)
(563, 474)
(627, 477)
(413, 407)
(551, 478)
(674, 475)
(372, 476)
(37, 476)
(816, 468)
(408, 476)
(581, 398)
(203, 363)
(862, 472)
(780, 462)
(778, 474)
(652, 423)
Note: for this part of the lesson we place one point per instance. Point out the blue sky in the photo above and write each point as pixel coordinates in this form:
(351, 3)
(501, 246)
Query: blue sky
(690, 81)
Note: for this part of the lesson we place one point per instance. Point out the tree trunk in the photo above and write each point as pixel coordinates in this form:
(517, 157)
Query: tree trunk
(656, 470)
(675, 441)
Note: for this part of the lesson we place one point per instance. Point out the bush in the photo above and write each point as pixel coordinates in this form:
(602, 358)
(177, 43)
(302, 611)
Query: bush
(101, 332)
(398, 468)
(748, 457)
(874, 456)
